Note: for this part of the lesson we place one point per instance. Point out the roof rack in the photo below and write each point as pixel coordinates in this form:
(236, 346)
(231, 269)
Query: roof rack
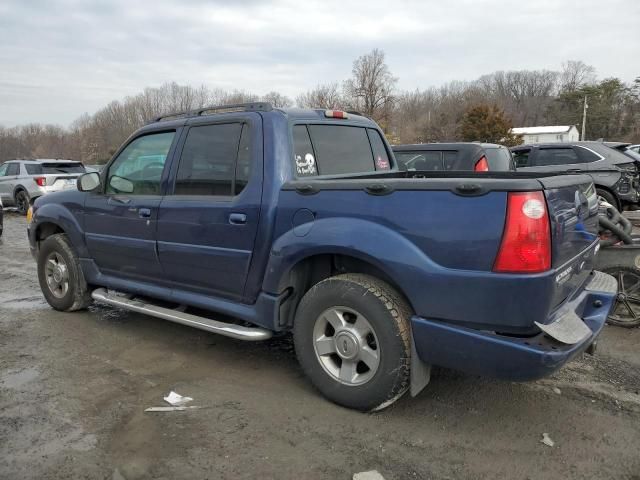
(233, 107)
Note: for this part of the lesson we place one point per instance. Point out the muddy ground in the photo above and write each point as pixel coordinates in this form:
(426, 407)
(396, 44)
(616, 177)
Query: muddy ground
(73, 389)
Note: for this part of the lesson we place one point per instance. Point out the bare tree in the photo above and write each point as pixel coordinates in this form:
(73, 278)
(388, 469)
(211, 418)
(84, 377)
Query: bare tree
(277, 99)
(575, 74)
(322, 96)
(372, 85)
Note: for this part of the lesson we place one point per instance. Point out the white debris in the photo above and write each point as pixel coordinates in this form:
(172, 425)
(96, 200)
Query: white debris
(546, 439)
(176, 399)
(169, 409)
(370, 475)
(557, 390)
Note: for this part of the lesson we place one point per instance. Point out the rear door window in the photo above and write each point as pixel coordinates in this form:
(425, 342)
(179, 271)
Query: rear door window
(33, 169)
(556, 156)
(340, 150)
(208, 162)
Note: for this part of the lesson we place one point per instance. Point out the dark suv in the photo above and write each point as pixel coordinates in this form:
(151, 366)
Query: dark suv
(479, 157)
(614, 174)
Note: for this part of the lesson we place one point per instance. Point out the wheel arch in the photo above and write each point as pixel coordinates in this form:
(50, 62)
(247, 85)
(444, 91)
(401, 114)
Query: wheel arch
(313, 268)
(599, 186)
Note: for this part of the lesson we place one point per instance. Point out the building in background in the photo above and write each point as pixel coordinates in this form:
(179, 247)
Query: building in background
(550, 134)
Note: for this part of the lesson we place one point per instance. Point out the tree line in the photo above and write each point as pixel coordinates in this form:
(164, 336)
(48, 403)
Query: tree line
(483, 109)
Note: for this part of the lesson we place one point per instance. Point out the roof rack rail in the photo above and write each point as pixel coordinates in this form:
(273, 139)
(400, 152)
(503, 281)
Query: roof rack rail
(232, 107)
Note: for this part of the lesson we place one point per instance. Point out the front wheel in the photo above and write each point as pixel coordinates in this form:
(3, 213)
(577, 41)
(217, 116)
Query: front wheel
(60, 276)
(351, 335)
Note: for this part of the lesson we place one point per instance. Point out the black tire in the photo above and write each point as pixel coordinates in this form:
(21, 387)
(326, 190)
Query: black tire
(609, 197)
(626, 310)
(22, 202)
(57, 249)
(385, 312)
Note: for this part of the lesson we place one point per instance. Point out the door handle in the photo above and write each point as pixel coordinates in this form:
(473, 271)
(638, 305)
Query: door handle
(237, 218)
(144, 212)
(120, 199)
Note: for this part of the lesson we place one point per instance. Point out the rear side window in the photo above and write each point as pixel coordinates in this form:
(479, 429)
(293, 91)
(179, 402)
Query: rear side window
(13, 169)
(499, 159)
(33, 169)
(556, 156)
(61, 168)
(304, 156)
(208, 162)
(587, 155)
(379, 152)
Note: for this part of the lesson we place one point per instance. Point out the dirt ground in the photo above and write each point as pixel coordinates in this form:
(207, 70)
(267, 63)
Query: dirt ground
(73, 389)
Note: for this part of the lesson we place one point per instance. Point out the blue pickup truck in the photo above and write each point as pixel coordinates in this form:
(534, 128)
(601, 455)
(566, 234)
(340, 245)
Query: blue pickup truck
(299, 221)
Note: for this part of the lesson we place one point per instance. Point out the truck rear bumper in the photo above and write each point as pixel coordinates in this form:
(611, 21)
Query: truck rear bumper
(509, 357)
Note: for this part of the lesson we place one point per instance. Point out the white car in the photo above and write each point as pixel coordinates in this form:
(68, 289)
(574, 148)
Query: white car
(23, 180)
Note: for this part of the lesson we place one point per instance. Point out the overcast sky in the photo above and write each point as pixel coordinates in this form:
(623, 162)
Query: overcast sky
(60, 58)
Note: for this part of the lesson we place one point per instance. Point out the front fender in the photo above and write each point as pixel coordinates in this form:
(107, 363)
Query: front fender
(66, 216)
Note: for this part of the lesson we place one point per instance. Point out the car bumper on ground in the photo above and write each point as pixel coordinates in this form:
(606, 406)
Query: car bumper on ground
(516, 358)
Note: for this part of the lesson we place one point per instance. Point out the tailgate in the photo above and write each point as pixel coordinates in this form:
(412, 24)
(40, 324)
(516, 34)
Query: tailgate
(573, 214)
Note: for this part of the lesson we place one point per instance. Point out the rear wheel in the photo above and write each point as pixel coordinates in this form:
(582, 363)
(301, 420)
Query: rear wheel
(60, 276)
(22, 202)
(351, 335)
(626, 310)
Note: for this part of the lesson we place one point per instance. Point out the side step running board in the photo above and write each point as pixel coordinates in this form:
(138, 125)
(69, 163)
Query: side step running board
(213, 326)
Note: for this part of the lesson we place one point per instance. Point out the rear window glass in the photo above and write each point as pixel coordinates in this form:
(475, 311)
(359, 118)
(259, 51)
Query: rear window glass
(499, 159)
(304, 156)
(521, 158)
(59, 168)
(453, 160)
(340, 150)
(425, 160)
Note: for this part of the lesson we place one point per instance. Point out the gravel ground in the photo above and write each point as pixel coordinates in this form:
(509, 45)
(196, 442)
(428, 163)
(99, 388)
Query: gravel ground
(73, 389)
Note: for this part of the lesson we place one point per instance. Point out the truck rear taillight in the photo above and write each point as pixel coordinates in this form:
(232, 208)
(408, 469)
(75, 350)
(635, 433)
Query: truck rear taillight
(526, 241)
(482, 165)
(41, 181)
(336, 114)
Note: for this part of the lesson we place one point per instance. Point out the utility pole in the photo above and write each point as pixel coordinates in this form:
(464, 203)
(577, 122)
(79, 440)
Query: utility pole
(584, 118)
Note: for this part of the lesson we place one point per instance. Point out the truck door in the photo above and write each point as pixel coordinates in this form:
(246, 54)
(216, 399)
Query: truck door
(120, 221)
(208, 220)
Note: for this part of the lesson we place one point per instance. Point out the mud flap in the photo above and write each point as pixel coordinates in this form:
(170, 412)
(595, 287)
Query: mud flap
(568, 329)
(420, 371)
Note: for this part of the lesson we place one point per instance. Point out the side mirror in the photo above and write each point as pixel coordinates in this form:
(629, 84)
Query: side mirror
(121, 184)
(88, 181)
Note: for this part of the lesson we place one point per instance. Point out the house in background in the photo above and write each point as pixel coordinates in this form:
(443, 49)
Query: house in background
(550, 134)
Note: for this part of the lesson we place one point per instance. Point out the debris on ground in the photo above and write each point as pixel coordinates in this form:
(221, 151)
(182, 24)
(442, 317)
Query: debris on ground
(546, 439)
(370, 475)
(178, 404)
(170, 409)
(557, 390)
(176, 399)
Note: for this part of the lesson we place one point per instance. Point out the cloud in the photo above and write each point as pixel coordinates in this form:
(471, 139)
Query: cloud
(61, 58)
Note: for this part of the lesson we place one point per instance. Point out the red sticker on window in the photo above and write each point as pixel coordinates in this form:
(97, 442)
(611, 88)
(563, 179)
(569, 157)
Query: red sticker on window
(382, 163)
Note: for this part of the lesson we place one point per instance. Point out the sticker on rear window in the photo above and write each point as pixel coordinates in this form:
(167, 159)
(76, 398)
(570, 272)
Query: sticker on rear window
(382, 163)
(306, 166)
